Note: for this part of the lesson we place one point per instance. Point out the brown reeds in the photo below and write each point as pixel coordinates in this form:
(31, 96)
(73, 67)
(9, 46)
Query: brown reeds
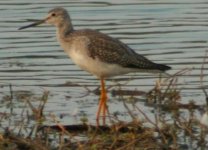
(173, 125)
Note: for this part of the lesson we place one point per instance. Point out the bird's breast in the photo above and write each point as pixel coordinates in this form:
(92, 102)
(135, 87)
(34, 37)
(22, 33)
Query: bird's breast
(77, 50)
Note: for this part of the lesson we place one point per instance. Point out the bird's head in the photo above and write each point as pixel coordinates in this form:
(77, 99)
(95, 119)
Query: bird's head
(55, 17)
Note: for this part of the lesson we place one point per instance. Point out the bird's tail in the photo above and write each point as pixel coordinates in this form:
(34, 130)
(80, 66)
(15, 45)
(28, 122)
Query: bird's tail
(162, 67)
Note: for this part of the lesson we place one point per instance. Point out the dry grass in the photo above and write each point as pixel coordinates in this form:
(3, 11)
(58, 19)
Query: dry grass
(168, 130)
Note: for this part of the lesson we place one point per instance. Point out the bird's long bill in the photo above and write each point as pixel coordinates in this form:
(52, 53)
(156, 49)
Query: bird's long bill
(32, 25)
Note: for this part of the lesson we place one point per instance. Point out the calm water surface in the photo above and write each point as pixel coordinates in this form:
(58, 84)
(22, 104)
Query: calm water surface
(173, 32)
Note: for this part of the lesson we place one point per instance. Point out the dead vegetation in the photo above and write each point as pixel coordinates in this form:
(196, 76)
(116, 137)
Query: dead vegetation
(175, 125)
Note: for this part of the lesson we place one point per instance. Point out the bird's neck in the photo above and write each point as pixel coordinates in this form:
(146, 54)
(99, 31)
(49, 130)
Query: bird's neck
(64, 29)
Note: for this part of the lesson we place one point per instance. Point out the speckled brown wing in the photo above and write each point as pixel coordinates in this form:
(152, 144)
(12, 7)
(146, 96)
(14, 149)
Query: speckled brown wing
(113, 51)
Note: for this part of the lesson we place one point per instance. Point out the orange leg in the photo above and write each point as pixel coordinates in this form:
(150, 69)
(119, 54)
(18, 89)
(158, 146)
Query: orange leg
(102, 104)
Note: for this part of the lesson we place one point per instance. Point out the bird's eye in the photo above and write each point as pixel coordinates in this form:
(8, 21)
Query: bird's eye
(53, 14)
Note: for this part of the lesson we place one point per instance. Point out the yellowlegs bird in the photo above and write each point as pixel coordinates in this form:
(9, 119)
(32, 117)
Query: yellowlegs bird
(97, 53)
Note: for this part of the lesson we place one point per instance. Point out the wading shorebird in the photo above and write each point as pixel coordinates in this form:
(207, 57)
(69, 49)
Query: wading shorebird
(97, 53)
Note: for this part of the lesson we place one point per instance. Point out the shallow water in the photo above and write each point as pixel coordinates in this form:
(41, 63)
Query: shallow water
(172, 32)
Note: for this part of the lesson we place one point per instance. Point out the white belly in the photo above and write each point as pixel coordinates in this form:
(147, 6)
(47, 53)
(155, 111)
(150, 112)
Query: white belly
(97, 67)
